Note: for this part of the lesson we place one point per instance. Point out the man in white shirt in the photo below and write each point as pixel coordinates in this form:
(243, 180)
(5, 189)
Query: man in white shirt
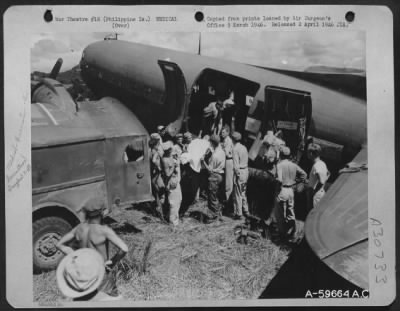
(191, 161)
(319, 174)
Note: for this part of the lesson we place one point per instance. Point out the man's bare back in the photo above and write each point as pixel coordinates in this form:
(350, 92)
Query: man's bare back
(93, 236)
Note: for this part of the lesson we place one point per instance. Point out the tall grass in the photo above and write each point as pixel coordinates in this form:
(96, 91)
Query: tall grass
(192, 261)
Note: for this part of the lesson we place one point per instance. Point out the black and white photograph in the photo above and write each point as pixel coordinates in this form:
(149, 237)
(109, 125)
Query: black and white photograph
(198, 166)
(192, 169)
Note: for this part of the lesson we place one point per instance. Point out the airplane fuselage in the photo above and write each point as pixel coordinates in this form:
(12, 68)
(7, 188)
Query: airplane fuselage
(132, 73)
(167, 87)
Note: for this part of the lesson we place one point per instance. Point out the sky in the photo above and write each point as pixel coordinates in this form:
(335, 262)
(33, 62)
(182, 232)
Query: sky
(291, 50)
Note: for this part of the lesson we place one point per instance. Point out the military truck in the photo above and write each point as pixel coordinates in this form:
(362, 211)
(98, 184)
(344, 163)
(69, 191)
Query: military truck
(81, 150)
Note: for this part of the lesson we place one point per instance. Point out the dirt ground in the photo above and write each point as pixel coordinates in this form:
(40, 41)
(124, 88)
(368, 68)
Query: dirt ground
(192, 261)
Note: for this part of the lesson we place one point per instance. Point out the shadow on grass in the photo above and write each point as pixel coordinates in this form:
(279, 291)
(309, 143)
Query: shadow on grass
(120, 227)
(304, 272)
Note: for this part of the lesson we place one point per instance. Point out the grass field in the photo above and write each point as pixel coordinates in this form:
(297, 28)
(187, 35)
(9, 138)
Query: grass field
(191, 261)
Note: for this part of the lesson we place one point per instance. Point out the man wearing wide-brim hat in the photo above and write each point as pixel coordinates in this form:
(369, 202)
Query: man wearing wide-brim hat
(80, 274)
(93, 234)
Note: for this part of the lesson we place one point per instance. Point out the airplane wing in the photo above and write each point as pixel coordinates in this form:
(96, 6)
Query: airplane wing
(337, 229)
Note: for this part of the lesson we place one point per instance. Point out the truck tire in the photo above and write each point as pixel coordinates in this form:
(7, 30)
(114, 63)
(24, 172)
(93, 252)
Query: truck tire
(47, 232)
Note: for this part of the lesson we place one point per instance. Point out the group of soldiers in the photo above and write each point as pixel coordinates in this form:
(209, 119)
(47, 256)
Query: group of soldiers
(221, 169)
(287, 175)
(217, 162)
(186, 162)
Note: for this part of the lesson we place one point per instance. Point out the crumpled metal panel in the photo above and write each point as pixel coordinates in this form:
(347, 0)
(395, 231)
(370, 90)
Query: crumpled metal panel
(335, 228)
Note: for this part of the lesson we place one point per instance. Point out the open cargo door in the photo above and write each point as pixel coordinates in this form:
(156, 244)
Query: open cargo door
(175, 96)
(288, 111)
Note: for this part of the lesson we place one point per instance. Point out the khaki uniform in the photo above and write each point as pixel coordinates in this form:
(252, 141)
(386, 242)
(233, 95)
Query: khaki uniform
(155, 171)
(217, 166)
(241, 175)
(283, 214)
(177, 149)
(227, 146)
(176, 155)
(155, 161)
(171, 194)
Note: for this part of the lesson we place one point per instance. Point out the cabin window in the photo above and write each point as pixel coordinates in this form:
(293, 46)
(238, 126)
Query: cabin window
(134, 152)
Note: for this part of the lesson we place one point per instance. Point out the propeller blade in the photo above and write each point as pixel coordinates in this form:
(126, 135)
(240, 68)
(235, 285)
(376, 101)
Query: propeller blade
(56, 69)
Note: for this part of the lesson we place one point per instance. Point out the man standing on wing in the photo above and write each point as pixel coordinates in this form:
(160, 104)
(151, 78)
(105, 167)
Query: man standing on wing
(241, 175)
(318, 176)
(93, 234)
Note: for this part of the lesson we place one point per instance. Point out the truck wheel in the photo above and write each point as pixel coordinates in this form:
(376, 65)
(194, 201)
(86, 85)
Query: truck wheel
(47, 232)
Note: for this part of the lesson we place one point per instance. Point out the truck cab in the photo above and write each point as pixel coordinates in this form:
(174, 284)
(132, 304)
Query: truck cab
(98, 150)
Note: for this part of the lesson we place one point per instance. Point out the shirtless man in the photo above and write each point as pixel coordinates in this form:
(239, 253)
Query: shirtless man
(92, 234)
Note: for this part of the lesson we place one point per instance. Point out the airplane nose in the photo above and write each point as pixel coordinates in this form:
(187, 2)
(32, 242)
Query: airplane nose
(83, 63)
